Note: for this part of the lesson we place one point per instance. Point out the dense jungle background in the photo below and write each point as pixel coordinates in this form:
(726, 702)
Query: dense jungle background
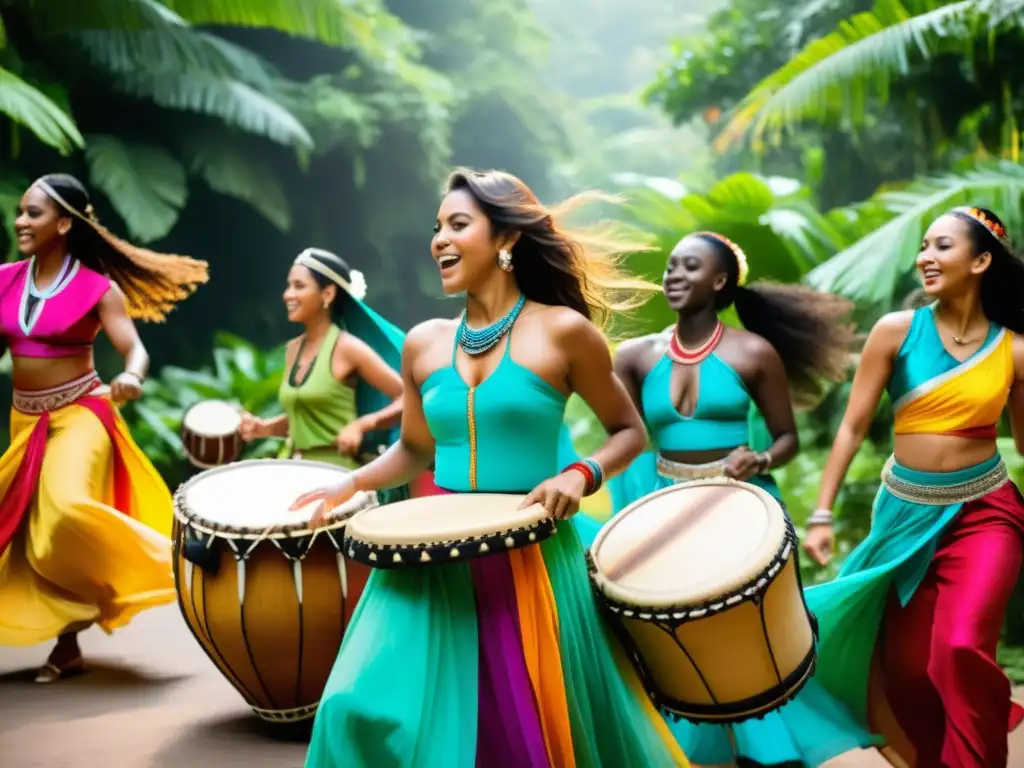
(822, 135)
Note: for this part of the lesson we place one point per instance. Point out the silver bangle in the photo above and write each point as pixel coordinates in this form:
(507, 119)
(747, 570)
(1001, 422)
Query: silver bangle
(821, 517)
(766, 459)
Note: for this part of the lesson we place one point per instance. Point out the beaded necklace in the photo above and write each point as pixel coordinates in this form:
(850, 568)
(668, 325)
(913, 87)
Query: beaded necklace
(476, 342)
(680, 354)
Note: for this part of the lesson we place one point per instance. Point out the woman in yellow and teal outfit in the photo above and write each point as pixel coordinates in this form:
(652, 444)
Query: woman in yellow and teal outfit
(341, 392)
(909, 629)
(717, 402)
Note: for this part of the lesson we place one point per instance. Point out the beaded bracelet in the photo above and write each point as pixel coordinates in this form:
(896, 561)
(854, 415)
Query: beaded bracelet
(821, 517)
(592, 472)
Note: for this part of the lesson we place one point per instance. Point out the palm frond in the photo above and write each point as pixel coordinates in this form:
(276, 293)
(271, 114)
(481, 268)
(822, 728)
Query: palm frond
(27, 105)
(837, 74)
(234, 102)
(365, 25)
(229, 170)
(147, 187)
(870, 270)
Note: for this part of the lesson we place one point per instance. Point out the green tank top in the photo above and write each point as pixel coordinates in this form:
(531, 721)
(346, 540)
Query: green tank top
(318, 407)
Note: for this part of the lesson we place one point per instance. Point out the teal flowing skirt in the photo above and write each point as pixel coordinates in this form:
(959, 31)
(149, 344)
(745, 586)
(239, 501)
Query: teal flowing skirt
(811, 729)
(431, 672)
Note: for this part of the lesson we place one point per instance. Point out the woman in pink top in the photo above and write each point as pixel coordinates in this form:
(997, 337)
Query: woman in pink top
(84, 516)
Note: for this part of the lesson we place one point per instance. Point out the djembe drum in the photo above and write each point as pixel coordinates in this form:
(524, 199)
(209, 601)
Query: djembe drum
(703, 586)
(450, 528)
(210, 434)
(267, 597)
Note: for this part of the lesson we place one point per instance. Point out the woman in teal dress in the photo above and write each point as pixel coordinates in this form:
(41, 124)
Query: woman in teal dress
(341, 392)
(702, 388)
(909, 629)
(506, 659)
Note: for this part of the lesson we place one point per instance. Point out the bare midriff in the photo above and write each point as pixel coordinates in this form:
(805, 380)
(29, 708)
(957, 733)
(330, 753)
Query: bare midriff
(35, 373)
(942, 453)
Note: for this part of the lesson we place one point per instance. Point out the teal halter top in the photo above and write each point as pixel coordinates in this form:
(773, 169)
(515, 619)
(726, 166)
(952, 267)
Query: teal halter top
(720, 419)
(501, 436)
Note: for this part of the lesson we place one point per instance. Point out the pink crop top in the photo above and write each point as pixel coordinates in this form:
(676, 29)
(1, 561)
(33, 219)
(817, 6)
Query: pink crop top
(65, 324)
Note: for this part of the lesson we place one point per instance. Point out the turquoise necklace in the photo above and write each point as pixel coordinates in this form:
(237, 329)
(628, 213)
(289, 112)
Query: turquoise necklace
(475, 342)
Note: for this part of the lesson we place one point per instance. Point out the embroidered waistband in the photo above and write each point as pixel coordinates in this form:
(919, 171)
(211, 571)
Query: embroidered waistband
(675, 470)
(959, 493)
(39, 401)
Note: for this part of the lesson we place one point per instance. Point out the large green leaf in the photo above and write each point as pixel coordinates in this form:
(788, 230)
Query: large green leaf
(838, 74)
(146, 186)
(232, 101)
(27, 105)
(12, 187)
(871, 269)
(230, 170)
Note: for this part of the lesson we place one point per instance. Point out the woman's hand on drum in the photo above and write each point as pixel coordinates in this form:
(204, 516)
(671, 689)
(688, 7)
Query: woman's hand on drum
(819, 541)
(560, 495)
(329, 497)
(350, 438)
(252, 427)
(743, 464)
(125, 386)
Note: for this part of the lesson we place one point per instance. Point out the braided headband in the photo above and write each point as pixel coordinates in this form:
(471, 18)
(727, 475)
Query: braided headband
(741, 257)
(355, 286)
(997, 230)
(88, 216)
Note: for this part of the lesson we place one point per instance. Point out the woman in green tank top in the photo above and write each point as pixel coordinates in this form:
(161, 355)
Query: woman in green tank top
(341, 392)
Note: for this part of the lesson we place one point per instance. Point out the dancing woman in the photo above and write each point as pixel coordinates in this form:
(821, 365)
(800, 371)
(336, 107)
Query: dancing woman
(504, 660)
(918, 606)
(342, 394)
(701, 389)
(84, 516)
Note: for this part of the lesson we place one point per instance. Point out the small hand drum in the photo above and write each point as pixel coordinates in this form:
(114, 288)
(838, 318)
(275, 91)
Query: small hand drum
(210, 434)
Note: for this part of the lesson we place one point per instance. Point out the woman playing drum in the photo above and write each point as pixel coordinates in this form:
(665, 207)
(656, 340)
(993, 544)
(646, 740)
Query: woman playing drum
(416, 683)
(924, 594)
(342, 395)
(701, 389)
(84, 516)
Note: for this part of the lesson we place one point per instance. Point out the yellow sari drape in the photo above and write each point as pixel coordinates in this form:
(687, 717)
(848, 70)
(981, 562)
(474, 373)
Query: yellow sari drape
(75, 559)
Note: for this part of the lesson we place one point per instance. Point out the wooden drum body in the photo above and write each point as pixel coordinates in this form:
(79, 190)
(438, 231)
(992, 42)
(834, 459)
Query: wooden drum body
(210, 434)
(266, 597)
(449, 528)
(703, 584)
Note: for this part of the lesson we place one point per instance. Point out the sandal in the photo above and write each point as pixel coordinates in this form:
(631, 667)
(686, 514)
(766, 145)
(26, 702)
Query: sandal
(51, 673)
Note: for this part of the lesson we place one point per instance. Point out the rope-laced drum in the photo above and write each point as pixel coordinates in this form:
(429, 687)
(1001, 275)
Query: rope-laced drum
(267, 597)
(703, 583)
(442, 529)
(210, 434)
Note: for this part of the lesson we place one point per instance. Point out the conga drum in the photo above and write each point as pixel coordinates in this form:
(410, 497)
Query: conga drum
(267, 597)
(451, 528)
(210, 434)
(703, 586)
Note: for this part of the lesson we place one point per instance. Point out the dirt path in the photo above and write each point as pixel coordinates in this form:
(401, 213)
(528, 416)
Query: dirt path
(152, 700)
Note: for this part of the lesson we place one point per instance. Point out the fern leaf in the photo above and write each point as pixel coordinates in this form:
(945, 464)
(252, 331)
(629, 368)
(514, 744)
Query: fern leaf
(147, 187)
(27, 105)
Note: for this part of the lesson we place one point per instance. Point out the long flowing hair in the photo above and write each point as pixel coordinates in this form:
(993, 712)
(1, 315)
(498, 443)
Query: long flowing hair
(1002, 284)
(809, 329)
(152, 283)
(576, 267)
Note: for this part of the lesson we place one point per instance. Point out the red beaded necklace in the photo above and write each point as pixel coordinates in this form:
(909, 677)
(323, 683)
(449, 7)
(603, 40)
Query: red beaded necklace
(679, 354)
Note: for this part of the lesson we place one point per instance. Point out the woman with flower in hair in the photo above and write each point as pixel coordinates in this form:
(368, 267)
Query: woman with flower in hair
(717, 403)
(909, 628)
(84, 516)
(341, 393)
(504, 659)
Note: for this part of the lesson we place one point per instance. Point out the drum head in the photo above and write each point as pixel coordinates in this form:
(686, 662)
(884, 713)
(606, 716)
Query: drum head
(447, 518)
(212, 417)
(249, 498)
(688, 544)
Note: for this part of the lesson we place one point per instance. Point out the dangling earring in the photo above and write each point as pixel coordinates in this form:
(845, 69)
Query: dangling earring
(505, 260)
(327, 303)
